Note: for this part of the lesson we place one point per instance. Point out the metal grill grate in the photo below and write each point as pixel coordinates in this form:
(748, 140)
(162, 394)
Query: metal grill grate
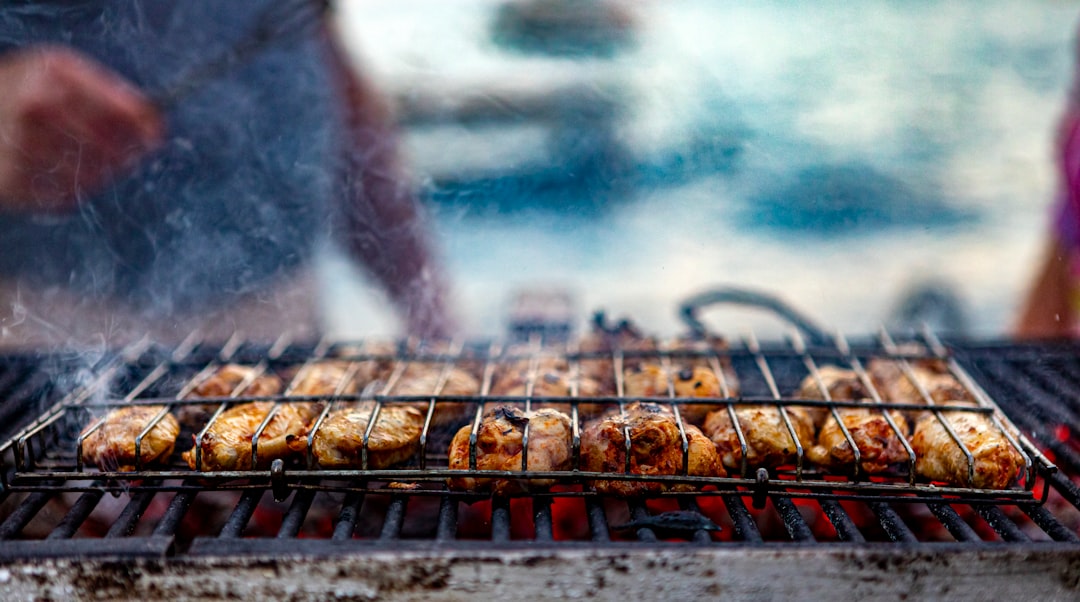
(53, 504)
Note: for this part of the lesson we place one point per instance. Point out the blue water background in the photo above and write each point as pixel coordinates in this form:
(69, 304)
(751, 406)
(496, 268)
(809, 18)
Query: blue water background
(838, 154)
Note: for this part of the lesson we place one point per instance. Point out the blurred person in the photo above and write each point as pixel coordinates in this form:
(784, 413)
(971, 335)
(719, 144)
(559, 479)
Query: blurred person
(122, 215)
(1052, 305)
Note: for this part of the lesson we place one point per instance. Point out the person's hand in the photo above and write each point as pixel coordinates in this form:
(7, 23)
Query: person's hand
(68, 126)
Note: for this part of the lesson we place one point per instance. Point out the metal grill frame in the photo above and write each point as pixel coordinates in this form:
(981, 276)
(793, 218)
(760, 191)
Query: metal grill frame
(29, 470)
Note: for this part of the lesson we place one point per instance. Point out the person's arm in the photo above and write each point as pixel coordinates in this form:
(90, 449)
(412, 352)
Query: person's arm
(1047, 312)
(384, 228)
(67, 127)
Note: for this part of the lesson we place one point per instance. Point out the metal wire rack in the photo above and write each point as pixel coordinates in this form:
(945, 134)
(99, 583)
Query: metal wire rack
(48, 453)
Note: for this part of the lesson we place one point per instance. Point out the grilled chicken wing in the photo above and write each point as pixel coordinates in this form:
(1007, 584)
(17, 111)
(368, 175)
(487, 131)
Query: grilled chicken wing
(112, 445)
(230, 380)
(896, 387)
(879, 445)
(768, 440)
(548, 382)
(651, 380)
(499, 446)
(324, 378)
(424, 379)
(339, 442)
(226, 445)
(938, 457)
(656, 449)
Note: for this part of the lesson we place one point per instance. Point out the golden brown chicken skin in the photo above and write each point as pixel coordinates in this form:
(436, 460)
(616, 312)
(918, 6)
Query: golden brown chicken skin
(997, 463)
(324, 378)
(550, 377)
(895, 386)
(499, 446)
(655, 449)
(768, 441)
(112, 445)
(424, 379)
(226, 445)
(339, 441)
(651, 380)
(227, 381)
(879, 445)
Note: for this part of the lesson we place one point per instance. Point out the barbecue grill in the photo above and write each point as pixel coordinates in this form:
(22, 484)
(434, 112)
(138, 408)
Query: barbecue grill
(297, 531)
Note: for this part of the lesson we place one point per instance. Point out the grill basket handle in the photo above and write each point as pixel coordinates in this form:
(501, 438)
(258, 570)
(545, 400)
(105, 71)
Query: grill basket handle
(689, 309)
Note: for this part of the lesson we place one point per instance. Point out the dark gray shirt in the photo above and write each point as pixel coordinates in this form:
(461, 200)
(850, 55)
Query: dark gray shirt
(239, 193)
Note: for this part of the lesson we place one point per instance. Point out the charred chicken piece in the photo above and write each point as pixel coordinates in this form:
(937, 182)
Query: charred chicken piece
(879, 445)
(224, 383)
(423, 379)
(226, 445)
(655, 449)
(768, 441)
(339, 442)
(499, 446)
(112, 445)
(938, 458)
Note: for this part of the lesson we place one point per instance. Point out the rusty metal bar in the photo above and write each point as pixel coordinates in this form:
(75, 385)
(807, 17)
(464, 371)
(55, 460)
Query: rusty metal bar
(77, 515)
(447, 525)
(241, 514)
(178, 507)
(745, 527)
(500, 520)
(395, 516)
(892, 523)
(24, 513)
(793, 519)
(542, 521)
(1000, 523)
(345, 525)
(295, 515)
(846, 529)
(957, 526)
(125, 524)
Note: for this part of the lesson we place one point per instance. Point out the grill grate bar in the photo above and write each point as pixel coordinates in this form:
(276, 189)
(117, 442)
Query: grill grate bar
(178, 507)
(24, 513)
(345, 525)
(129, 517)
(793, 519)
(542, 519)
(598, 527)
(701, 535)
(1001, 523)
(957, 526)
(500, 519)
(892, 523)
(395, 516)
(846, 529)
(294, 516)
(75, 517)
(745, 527)
(447, 527)
(638, 511)
(1049, 524)
(241, 514)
